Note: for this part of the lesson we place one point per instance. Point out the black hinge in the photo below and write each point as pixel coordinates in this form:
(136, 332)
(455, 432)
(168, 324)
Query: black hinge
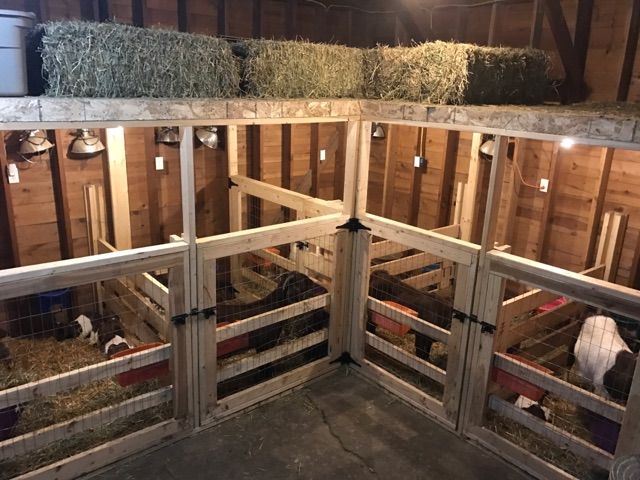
(353, 225)
(232, 183)
(345, 359)
(460, 316)
(182, 318)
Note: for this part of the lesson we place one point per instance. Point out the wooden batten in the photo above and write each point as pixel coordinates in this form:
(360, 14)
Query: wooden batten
(118, 184)
(6, 204)
(61, 195)
(445, 190)
(547, 209)
(469, 229)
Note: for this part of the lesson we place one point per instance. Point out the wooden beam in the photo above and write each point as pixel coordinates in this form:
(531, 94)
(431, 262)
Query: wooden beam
(6, 205)
(545, 219)
(137, 13)
(583, 31)
(628, 63)
(87, 11)
(314, 158)
(445, 189)
(60, 194)
(285, 164)
(389, 173)
(341, 153)
(254, 204)
(153, 187)
(291, 18)
(103, 10)
(462, 17)
(574, 90)
(411, 15)
(491, 39)
(469, 229)
(597, 204)
(416, 184)
(223, 23)
(513, 195)
(629, 438)
(118, 184)
(256, 22)
(183, 16)
(536, 24)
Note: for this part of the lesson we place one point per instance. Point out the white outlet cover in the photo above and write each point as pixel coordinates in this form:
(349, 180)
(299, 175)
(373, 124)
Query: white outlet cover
(159, 163)
(544, 184)
(323, 155)
(417, 161)
(12, 173)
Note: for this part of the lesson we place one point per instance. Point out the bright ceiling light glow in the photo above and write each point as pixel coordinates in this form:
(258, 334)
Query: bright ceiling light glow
(567, 142)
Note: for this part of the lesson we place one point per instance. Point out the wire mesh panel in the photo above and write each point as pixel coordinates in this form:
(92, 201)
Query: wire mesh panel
(282, 290)
(561, 377)
(80, 366)
(411, 333)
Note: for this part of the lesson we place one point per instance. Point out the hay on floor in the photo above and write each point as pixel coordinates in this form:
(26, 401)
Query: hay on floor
(455, 73)
(85, 59)
(277, 69)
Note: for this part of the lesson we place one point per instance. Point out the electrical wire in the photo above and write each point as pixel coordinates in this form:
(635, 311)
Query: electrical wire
(517, 167)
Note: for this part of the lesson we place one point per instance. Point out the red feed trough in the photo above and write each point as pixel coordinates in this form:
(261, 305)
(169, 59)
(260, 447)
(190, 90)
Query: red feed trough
(142, 374)
(517, 384)
(226, 347)
(395, 327)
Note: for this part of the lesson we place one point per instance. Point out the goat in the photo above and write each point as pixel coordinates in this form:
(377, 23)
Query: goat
(116, 345)
(384, 286)
(291, 287)
(603, 358)
(82, 327)
(534, 408)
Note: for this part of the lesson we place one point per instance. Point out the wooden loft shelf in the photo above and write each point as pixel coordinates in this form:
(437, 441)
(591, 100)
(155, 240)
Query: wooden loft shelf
(612, 126)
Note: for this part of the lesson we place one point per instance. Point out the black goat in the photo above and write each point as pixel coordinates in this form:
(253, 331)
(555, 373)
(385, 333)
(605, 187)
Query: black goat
(291, 287)
(430, 307)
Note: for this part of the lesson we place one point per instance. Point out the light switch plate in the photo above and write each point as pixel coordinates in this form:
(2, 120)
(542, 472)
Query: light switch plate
(323, 155)
(12, 173)
(159, 163)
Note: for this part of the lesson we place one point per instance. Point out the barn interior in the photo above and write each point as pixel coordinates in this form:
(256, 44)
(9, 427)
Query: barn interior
(167, 265)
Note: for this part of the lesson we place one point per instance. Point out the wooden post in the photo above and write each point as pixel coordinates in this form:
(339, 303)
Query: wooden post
(103, 10)
(256, 29)
(445, 190)
(545, 218)
(207, 337)
(61, 198)
(614, 227)
(183, 16)
(536, 24)
(137, 13)
(189, 274)
(153, 193)
(631, 48)
(513, 196)
(6, 204)
(223, 22)
(389, 174)
(285, 165)
(255, 167)
(338, 176)
(629, 440)
(314, 158)
(597, 204)
(178, 304)
(118, 183)
(492, 25)
(291, 16)
(235, 199)
(468, 228)
(416, 186)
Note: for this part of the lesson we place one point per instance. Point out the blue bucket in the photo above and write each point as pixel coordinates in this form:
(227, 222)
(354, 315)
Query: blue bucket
(47, 300)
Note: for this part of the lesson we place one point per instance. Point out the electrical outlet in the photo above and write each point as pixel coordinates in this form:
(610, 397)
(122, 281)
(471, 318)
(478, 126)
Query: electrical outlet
(159, 163)
(12, 173)
(419, 161)
(544, 184)
(323, 155)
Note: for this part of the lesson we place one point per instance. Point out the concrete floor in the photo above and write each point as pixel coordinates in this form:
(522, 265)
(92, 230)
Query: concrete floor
(340, 427)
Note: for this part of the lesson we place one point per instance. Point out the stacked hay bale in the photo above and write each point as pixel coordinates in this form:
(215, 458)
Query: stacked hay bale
(455, 73)
(84, 59)
(274, 69)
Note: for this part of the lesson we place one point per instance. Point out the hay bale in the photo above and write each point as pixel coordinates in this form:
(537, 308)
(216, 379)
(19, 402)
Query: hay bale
(276, 69)
(84, 59)
(455, 73)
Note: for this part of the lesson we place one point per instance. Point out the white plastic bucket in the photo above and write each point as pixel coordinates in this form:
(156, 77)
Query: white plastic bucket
(14, 26)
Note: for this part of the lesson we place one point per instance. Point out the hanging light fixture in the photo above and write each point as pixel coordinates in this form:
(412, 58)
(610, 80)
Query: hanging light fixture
(167, 135)
(488, 148)
(34, 142)
(377, 131)
(86, 143)
(208, 136)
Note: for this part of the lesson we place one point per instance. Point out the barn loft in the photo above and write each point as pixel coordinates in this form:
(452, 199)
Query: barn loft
(212, 211)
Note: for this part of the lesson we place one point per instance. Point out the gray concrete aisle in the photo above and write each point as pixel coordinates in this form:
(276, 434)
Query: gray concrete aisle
(340, 427)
